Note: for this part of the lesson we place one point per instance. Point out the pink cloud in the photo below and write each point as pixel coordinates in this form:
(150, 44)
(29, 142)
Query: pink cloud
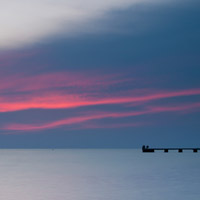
(67, 90)
(60, 100)
(184, 107)
(62, 90)
(58, 80)
(101, 115)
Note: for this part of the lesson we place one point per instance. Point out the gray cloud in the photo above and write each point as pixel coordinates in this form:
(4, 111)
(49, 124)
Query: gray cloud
(25, 21)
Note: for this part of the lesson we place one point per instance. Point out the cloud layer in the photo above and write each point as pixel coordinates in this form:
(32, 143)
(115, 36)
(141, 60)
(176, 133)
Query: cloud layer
(93, 91)
(99, 73)
(26, 22)
(102, 115)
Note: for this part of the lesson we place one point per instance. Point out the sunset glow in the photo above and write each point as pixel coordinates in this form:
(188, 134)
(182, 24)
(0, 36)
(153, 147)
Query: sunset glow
(71, 69)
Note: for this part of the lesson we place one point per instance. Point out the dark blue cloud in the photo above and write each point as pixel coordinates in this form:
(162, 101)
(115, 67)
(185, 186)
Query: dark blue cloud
(147, 40)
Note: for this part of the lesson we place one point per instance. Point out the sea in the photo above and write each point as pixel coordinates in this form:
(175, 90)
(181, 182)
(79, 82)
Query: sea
(98, 174)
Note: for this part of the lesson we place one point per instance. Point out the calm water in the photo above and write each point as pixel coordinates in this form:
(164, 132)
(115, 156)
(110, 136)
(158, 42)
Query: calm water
(98, 175)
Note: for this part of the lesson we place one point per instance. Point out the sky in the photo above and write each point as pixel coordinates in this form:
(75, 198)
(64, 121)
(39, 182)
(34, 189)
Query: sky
(99, 74)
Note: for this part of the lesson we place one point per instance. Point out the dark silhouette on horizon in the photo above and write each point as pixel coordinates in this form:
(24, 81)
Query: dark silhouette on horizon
(146, 149)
